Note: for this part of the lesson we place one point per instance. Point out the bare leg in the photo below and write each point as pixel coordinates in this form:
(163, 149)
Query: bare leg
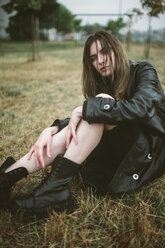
(58, 146)
(88, 138)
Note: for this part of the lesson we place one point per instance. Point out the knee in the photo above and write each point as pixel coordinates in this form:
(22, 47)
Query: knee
(104, 95)
(101, 95)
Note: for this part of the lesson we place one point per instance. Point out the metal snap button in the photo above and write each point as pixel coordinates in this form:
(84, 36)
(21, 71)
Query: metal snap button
(149, 156)
(106, 106)
(135, 176)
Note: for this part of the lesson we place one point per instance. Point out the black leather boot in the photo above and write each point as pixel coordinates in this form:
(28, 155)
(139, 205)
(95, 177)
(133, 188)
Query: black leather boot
(7, 180)
(52, 194)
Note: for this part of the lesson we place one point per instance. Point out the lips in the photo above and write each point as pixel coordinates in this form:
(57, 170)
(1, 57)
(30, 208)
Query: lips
(104, 68)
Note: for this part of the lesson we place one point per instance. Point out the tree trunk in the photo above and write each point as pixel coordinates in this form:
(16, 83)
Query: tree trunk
(129, 32)
(33, 23)
(37, 37)
(73, 31)
(148, 40)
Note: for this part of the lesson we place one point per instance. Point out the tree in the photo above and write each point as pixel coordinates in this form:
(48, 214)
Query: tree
(55, 15)
(77, 25)
(134, 14)
(89, 29)
(32, 14)
(48, 14)
(154, 8)
(27, 14)
(63, 20)
(51, 14)
(115, 26)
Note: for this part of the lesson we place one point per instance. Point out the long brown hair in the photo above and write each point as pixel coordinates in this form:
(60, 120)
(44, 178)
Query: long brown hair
(93, 82)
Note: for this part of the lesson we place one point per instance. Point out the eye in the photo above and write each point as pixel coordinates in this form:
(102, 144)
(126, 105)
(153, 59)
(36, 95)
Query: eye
(103, 51)
(93, 58)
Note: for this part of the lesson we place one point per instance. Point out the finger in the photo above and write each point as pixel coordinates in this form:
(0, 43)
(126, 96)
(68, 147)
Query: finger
(30, 153)
(36, 158)
(68, 138)
(74, 136)
(48, 148)
(41, 157)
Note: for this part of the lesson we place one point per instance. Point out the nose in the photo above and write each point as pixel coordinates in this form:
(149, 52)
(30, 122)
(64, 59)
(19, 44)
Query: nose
(100, 58)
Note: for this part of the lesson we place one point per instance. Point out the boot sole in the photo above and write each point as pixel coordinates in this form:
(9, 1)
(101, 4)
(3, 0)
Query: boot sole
(39, 213)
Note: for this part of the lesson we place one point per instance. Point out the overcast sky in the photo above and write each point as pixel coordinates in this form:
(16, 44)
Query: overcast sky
(110, 6)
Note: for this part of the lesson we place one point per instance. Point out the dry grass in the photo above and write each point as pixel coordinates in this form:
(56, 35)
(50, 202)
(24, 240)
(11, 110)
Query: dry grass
(32, 96)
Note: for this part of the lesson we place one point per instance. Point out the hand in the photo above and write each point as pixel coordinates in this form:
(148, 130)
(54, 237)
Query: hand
(44, 141)
(75, 118)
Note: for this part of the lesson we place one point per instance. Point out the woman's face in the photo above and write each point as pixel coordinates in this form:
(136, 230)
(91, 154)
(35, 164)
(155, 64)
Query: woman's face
(101, 60)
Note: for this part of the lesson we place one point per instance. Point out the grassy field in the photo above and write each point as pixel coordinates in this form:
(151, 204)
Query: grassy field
(32, 95)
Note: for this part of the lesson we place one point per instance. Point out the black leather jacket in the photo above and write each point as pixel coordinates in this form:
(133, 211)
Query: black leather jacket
(144, 105)
(144, 102)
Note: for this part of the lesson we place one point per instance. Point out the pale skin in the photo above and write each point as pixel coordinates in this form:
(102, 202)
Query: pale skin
(78, 139)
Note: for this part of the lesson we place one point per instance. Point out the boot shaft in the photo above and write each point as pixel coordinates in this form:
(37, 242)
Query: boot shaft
(62, 173)
(64, 168)
(8, 162)
(8, 179)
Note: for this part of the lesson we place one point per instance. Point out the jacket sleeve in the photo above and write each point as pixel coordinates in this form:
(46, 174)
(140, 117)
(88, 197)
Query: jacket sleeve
(60, 123)
(141, 106)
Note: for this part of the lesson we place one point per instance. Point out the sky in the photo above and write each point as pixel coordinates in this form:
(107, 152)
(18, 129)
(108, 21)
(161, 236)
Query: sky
(111, 6)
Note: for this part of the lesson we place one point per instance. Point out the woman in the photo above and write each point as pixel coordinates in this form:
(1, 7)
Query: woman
(116, 139)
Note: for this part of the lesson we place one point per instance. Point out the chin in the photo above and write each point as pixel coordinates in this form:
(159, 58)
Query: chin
(106, 74)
